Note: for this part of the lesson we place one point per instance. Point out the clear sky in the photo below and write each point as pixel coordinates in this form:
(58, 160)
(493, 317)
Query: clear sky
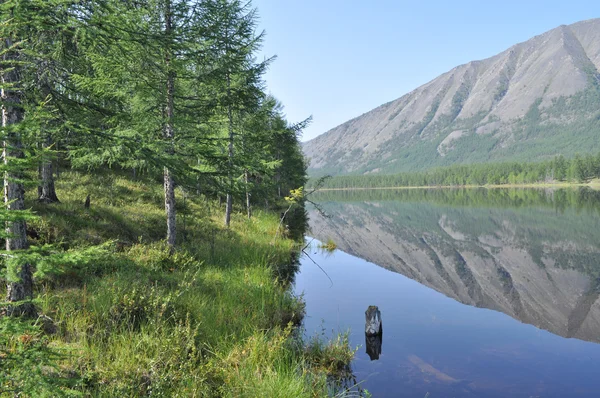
(337, 59)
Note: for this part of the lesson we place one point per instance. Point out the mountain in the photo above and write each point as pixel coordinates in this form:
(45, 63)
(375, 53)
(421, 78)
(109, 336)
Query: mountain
(533, 101)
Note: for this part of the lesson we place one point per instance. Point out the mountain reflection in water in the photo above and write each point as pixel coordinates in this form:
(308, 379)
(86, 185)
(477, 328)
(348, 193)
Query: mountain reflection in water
(536, 258)
(530, 254)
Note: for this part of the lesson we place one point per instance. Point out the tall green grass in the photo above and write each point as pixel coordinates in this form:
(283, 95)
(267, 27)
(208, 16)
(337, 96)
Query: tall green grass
(216, 318)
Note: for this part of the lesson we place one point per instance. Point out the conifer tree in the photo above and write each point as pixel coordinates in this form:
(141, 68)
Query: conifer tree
(34, 82)
(230, 27)
(19, 288)
(264, 134)
(149, 69)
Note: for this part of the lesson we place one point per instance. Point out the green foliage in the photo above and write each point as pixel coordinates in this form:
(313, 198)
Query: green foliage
(580, 169)
(146, 85)
(333, 357)
(29, 365)
(211, 319)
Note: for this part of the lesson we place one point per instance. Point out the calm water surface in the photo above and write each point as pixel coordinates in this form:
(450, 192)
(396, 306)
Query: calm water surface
(482, 293)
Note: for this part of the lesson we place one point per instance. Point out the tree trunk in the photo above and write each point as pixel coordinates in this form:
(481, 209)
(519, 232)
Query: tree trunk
(14, 193)
(278, 175)
(228, 207)
(57, 163)
(246, 181)
(248, 206)
(170, 207)
(169, 133)
(47, 192)
(373, 324)
(184, 215)
(39, 179)
(229, 204)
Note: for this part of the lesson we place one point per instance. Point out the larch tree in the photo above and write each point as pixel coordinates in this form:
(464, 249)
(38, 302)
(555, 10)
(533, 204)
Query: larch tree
(168, 72)
(20, 24)
(230, 27)
(145, 66)
(256, 136)
(20, 287)
(169, 114)
(36, 39)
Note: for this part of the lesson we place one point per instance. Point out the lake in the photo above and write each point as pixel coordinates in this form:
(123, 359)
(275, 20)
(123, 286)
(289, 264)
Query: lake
(483, 293)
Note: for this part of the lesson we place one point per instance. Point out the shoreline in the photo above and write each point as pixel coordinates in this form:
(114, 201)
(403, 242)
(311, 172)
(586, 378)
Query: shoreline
(592, 185)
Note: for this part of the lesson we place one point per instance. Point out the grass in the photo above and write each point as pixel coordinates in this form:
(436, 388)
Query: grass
(216, 318)
(329, 246)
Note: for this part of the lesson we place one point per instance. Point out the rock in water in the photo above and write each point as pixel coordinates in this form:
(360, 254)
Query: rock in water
(373, 321)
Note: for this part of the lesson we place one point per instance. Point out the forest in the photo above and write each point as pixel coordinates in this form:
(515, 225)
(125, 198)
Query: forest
(145, 173)
(579, 169)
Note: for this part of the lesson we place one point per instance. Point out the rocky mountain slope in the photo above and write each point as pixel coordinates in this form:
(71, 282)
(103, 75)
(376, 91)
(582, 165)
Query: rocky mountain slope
(536, 99)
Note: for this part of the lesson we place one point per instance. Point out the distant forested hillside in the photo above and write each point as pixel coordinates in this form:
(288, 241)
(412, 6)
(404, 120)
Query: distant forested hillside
(577, 170)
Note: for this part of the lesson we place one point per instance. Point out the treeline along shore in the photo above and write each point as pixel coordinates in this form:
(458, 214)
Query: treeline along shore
(580, 170)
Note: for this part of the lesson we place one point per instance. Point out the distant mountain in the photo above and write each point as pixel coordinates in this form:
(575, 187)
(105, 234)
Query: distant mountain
(533, 101)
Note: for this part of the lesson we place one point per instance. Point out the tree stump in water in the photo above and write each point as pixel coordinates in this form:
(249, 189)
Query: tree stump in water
(373, 324)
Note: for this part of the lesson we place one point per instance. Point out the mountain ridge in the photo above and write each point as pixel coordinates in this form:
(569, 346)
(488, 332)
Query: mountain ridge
(497, 108)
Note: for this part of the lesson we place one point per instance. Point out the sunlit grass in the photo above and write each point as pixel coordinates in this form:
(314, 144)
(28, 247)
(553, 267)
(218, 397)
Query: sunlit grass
(213, 319)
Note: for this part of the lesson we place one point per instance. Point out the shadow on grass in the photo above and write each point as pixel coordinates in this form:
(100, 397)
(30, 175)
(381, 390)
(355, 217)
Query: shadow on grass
(141, 318)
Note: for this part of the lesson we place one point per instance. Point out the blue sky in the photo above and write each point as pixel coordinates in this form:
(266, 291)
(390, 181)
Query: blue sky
(339, 59)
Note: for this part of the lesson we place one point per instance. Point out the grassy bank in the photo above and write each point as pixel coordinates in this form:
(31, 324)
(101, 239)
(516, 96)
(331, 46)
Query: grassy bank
(125, 318)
